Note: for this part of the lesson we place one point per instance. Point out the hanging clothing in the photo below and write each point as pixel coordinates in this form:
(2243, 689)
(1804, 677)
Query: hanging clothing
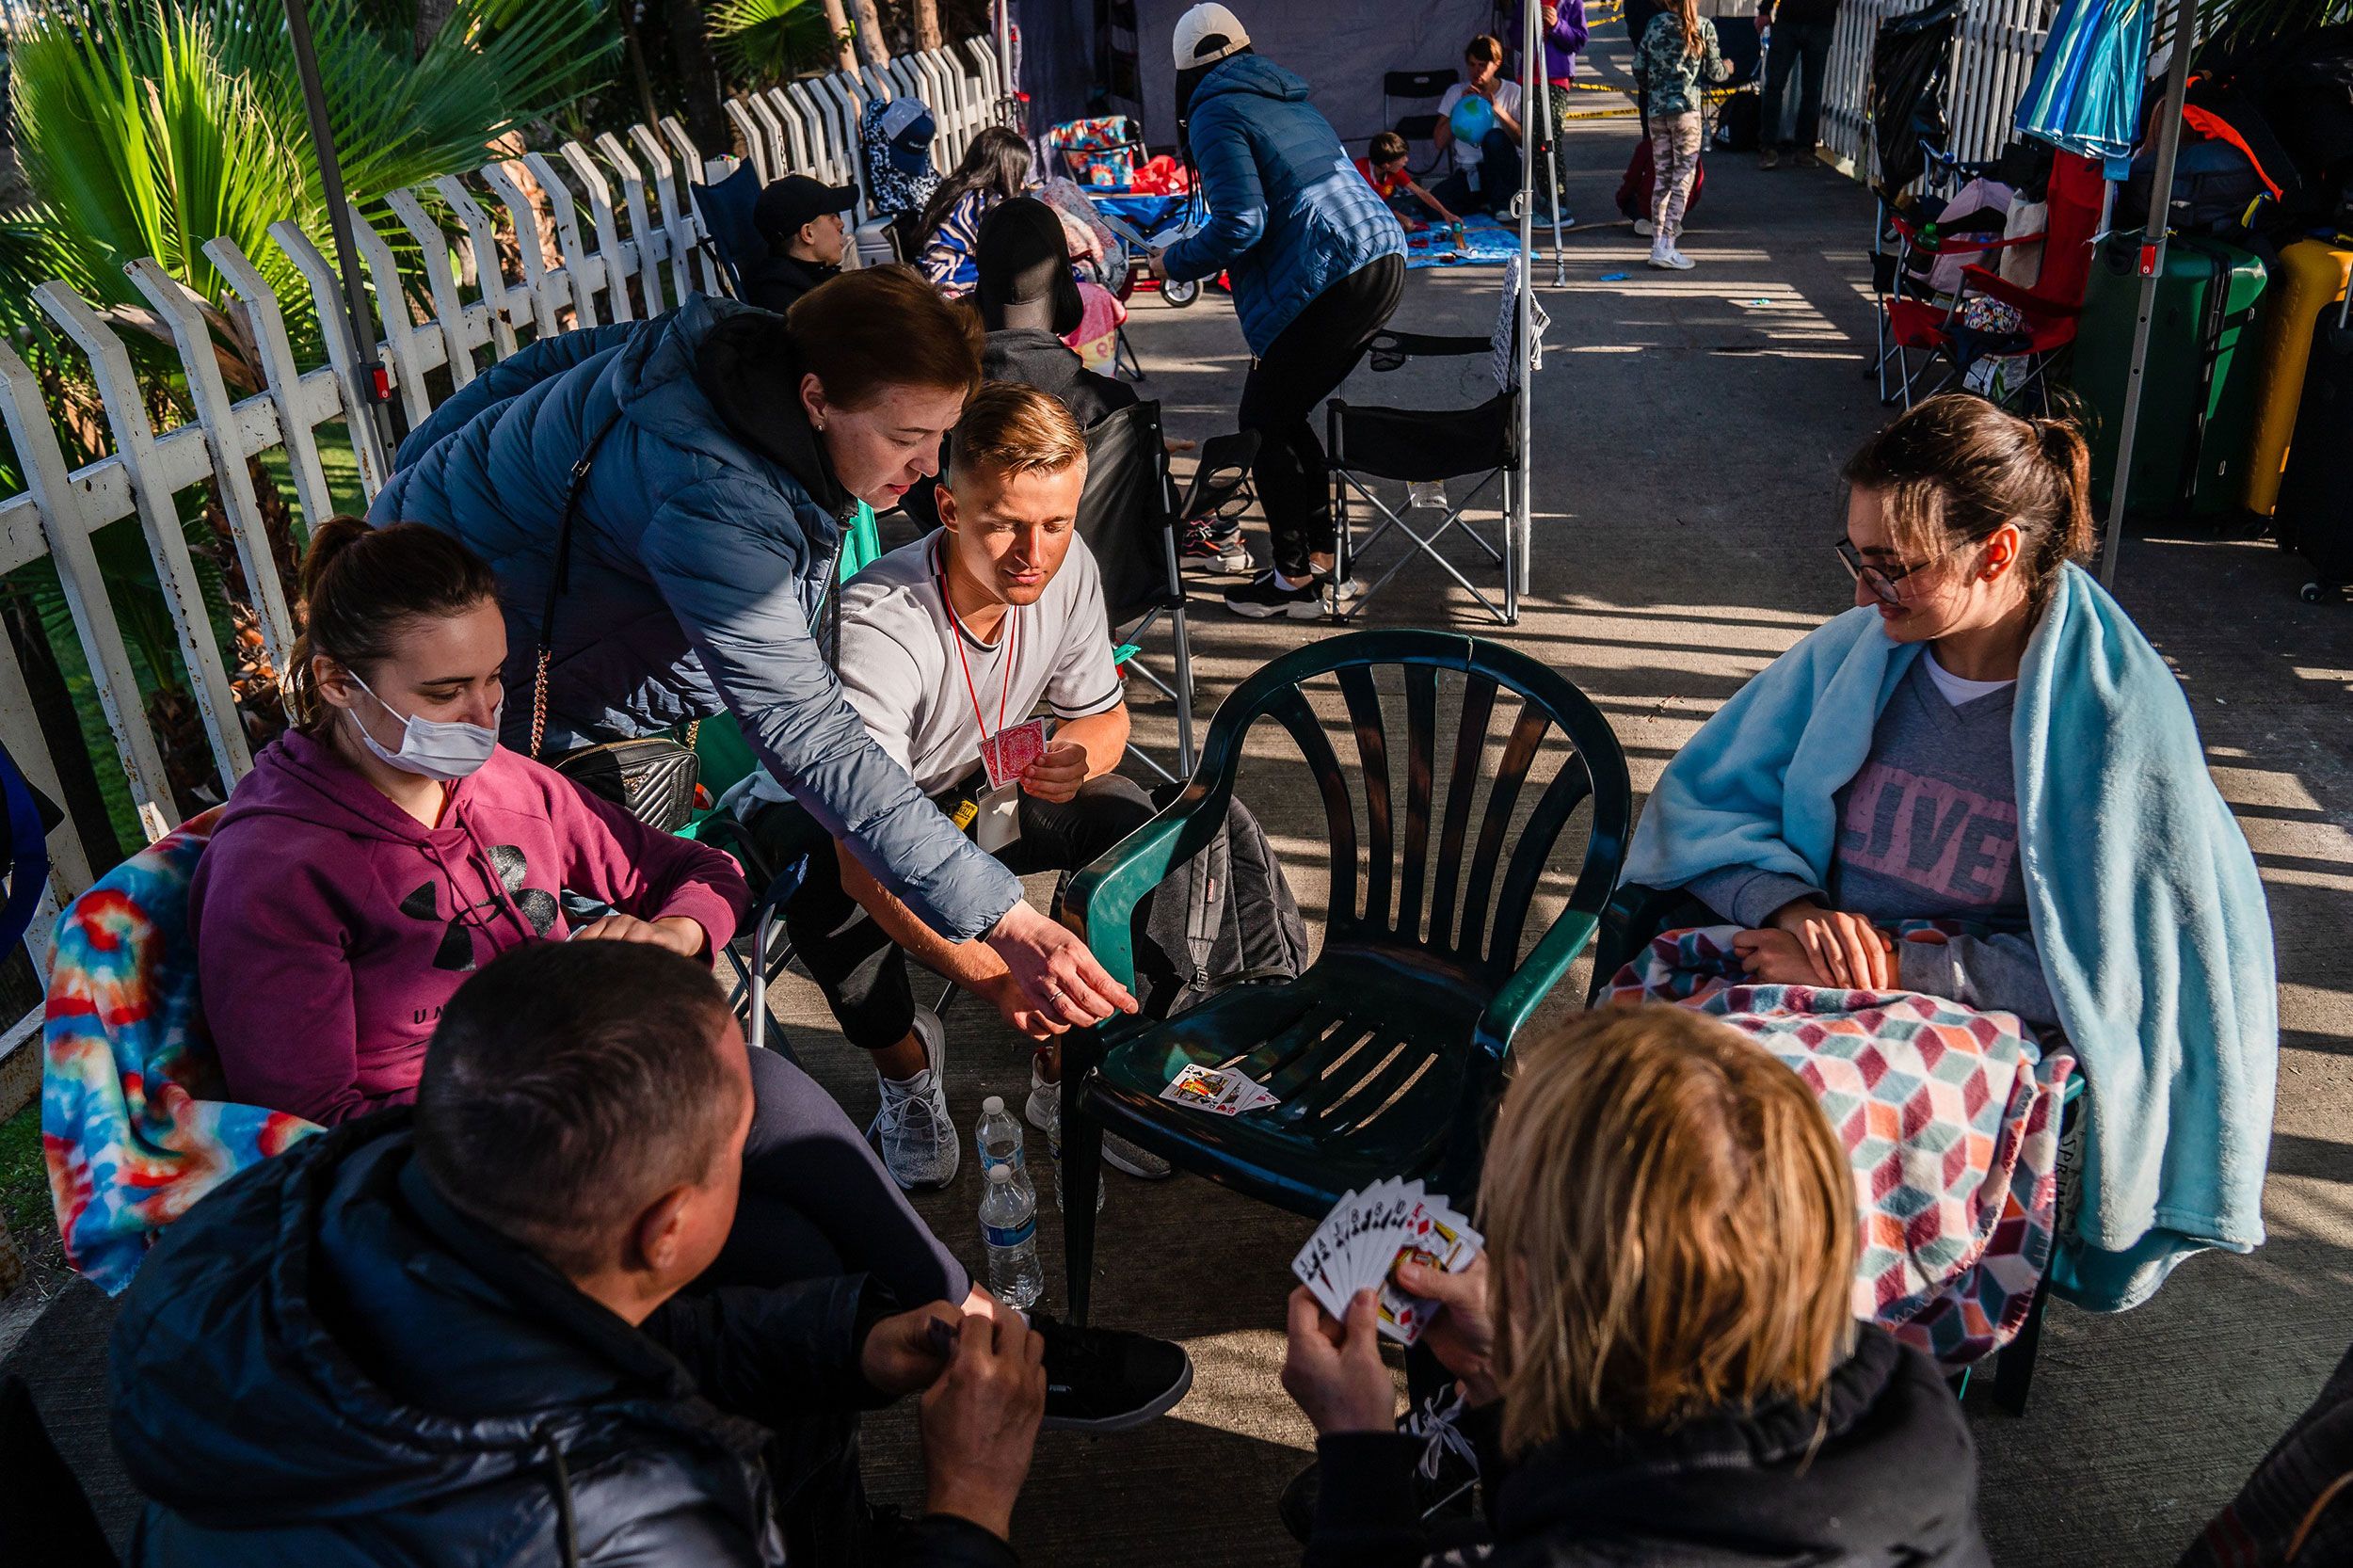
(2085, 94)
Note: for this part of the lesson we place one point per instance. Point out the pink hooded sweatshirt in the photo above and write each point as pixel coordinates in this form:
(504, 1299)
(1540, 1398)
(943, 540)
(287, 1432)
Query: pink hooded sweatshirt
(331, 926)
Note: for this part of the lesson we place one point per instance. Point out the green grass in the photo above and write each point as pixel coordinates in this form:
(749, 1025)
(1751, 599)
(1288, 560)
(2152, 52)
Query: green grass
(23, 1179)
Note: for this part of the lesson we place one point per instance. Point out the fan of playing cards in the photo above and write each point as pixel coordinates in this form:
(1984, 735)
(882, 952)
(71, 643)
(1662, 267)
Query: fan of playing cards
(1368, 1235)
(1220, 1091)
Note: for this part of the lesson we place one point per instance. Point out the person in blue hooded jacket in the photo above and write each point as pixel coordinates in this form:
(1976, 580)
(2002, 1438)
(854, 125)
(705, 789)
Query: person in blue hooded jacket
(1317, 261)
(721, 449)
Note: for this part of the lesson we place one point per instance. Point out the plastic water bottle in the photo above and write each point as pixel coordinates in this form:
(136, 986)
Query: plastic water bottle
(1427, 493)
(1009, 1227)
(998, 1140)
(1053, 1148)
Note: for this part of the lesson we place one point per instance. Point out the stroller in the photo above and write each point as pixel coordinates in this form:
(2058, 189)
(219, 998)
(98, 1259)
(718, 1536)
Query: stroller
(1105, 153)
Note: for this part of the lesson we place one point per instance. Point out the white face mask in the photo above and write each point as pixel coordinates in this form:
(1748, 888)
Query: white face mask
(433, 748)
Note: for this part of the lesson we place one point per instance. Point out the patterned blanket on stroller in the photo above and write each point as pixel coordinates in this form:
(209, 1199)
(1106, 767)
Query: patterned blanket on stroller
(134, 1120)
(1950, 1118)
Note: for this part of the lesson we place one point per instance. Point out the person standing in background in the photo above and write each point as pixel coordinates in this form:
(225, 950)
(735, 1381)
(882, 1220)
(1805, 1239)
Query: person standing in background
(1637, 14)
(1564, 32)
(1802, 35)
(1679, 54)
(1317, 264)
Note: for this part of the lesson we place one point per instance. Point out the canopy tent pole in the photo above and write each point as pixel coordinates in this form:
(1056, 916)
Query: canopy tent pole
(363, 340)
(1001, 15)
(1522, 522)
(2151, 269)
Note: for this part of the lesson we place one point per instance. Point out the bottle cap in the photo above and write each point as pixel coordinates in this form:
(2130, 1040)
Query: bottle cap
(1000, 1174)
(993, 1106)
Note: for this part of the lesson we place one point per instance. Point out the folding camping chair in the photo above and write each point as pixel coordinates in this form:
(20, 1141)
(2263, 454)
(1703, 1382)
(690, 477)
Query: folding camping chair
(1420, 445)
(1127, 517)
(1416, 87)
(2047, 312)
(729, 238)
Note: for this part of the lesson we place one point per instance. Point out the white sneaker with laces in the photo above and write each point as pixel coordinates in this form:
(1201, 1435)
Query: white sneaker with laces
(1117, 1152)
(1663, 254)
(912, 1131)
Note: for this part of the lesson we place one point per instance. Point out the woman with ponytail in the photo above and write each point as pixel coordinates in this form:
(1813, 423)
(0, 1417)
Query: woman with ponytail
(1986, 739)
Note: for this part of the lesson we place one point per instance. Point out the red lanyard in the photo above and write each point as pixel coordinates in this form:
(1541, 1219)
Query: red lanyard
(1013, 628)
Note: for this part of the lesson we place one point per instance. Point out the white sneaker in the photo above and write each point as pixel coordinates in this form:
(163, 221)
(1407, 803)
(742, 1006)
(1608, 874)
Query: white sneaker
(1665, 255)
(912, 1131)
(1644, 227)
(1039, 1113)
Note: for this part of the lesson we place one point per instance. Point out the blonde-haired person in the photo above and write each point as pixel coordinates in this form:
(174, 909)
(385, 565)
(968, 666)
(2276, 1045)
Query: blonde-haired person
(945, 641)
(1659, 1359)
(1678, 54)
(1987, 740)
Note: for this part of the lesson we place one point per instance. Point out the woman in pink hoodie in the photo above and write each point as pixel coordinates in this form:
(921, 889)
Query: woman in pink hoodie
(387, 846)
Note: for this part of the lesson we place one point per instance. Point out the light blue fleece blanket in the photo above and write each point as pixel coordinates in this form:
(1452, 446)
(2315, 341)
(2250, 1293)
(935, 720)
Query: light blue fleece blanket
(2143, 897)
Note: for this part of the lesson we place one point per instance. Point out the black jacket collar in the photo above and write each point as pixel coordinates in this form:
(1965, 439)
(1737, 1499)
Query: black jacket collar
(749, 368)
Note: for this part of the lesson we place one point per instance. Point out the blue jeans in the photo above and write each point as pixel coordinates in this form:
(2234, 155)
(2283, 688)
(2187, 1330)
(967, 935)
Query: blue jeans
(1795, 43)
(1499, 177)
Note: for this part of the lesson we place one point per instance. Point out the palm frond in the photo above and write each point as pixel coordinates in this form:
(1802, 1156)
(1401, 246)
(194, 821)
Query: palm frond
(767, 40)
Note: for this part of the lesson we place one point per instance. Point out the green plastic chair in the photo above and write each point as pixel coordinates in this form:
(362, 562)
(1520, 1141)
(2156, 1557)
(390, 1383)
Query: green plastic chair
(1386, 1054)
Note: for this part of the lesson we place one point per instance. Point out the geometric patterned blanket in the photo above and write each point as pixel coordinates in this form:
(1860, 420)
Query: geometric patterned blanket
(135, 1123)
(1951, 1122)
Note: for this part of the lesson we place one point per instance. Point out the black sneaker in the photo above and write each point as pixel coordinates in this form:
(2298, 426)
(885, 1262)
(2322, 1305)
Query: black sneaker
(1208, 548)
(1262, 597)
(1106, 1379)
(1445, 1484)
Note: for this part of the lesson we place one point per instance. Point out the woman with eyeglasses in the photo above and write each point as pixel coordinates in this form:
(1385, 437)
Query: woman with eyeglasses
(1987, 741)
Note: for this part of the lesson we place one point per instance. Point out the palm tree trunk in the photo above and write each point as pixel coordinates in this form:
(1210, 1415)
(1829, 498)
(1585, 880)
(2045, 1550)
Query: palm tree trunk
(690, 46)
(432, 16)
(926, 26)
(838, 24)
(870, 34)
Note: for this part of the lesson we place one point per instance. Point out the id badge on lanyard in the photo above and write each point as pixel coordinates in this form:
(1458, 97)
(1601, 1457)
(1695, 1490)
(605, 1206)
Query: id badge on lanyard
(1004, 753)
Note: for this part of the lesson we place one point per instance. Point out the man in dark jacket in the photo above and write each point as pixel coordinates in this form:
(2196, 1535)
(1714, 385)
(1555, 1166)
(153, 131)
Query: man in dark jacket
(456, 1336)
(800, 221)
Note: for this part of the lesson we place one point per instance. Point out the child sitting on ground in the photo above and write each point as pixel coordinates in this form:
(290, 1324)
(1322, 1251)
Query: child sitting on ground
(1384, 165)
(1660, 1363)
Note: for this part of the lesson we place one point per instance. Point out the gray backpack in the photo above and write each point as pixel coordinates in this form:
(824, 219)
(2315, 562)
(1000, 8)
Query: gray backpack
(1224, 916)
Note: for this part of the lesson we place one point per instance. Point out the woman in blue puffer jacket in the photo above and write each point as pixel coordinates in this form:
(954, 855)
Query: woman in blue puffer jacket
(1317, 260)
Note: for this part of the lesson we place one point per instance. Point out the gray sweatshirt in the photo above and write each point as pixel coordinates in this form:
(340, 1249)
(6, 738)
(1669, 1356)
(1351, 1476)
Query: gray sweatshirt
(1928, 830)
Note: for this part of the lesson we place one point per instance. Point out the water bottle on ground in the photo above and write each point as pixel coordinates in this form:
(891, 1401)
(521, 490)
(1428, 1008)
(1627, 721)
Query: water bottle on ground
(998, 1140)
(1053, 1148)
(1009, 1227)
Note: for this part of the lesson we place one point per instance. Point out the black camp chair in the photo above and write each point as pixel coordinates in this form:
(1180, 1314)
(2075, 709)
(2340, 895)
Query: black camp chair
(1127, 517)
(1416, 87)
(1480, 443)
(730, 239)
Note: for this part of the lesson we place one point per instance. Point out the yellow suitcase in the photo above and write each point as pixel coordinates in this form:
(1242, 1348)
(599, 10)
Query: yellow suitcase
(2310, 277)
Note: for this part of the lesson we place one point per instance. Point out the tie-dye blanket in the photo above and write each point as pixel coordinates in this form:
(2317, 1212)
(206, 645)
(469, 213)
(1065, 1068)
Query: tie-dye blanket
(133, 1120)
(1950, 1117)
(1486, 241)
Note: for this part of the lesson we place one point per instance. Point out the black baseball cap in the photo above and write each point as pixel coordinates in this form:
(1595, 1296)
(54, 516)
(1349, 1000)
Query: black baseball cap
(1023, 257)
(785, 204)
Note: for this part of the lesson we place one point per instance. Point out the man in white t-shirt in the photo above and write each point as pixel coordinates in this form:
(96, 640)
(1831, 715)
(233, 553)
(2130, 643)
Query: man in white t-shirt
(1487, 172)
(958, 637)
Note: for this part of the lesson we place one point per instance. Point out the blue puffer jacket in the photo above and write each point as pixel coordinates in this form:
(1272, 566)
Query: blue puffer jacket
(1289, 214)
(700, 557)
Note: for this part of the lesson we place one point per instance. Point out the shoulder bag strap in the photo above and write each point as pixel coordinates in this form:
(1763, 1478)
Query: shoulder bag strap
(559, 580)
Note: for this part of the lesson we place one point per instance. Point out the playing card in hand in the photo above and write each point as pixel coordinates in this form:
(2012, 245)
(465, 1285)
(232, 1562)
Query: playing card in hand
(1008, 753)
(1360, 1243)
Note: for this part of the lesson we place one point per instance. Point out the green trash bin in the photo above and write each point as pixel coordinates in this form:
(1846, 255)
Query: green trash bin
(2198, 392)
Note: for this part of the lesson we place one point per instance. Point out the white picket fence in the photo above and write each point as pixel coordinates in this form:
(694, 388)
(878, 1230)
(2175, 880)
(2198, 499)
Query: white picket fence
(1994, 53)
(444, 302)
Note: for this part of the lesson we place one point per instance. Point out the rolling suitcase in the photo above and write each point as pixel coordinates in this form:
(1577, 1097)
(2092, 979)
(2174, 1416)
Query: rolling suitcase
(2306, 283)
(2196, 393)
(2314, 513)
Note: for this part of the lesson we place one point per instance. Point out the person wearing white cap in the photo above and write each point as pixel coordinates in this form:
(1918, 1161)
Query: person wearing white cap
(1317, 261)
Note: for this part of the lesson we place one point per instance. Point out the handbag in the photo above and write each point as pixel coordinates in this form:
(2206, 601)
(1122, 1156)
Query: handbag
(655, 779)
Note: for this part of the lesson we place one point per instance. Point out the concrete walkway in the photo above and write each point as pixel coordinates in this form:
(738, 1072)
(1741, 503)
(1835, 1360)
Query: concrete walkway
(1688, 431)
